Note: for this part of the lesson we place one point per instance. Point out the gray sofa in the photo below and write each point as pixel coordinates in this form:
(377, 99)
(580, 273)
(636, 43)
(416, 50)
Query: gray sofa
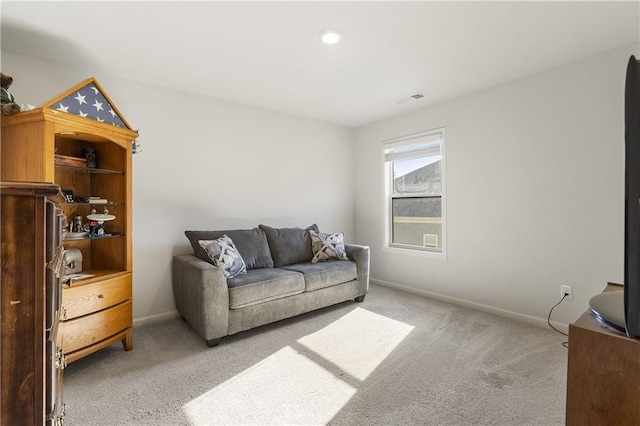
(280, 281)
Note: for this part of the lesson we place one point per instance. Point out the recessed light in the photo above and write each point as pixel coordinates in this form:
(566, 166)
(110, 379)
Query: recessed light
(330, 36)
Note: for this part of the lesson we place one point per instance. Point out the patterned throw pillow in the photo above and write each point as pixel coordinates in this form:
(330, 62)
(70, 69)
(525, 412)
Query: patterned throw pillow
(224, 254)
(327, 246)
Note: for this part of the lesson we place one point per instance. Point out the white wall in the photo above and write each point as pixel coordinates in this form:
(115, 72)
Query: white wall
(534, 191)
(534, 182)
(208, 164)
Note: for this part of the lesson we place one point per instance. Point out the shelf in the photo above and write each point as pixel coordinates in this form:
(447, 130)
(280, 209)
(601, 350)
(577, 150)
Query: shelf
(106, 237)
(110, 203)
(96, 275)
(90, 171)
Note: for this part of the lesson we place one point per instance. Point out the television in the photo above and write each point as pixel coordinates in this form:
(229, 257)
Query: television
(621, 309)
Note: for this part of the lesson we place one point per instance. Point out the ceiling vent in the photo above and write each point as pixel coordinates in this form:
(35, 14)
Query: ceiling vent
(413, 97)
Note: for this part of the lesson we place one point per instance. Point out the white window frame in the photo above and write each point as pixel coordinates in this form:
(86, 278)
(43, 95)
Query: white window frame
(387, 184)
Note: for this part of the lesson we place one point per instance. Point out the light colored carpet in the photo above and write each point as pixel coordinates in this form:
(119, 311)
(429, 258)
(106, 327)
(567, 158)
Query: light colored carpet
(395, 359)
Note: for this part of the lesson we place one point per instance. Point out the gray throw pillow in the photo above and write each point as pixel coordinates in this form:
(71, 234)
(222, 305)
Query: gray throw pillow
(289, 245)
(251, 243)
(327, 246)
(224, 255)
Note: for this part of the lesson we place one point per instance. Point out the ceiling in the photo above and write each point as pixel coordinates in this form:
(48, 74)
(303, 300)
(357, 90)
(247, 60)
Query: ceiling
(268, 55)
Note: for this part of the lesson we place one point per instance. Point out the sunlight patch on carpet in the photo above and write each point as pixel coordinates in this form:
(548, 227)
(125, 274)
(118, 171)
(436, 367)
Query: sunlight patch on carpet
(285, 388)
(289, 387)
(358, 342)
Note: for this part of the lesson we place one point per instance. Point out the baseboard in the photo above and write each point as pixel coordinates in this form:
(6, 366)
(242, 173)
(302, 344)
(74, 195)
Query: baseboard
(152, 319)
(538, 322)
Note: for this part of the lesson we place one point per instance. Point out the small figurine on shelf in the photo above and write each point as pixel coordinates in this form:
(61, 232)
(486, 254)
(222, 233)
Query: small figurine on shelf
(91, 155)
(68, 196)
(96, 221)
(98, 229)
(90, 226)
(77, 224)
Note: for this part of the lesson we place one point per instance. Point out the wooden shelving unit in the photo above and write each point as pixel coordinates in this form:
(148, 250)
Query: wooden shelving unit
(95, 311)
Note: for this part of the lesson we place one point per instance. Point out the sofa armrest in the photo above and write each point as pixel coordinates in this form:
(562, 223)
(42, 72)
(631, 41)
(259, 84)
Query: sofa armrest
(201, 295)
(360, 255)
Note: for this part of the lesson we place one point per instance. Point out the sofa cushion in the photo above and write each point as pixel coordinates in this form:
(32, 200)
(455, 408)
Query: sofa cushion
(325, 274)
(327, 246)
(262, 285)
(223, 254)
(289, 245)
(251, 243)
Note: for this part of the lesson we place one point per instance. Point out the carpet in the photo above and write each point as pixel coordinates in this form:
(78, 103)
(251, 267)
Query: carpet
(395, 359)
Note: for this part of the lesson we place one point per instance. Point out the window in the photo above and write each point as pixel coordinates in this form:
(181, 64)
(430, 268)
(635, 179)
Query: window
(414, 191)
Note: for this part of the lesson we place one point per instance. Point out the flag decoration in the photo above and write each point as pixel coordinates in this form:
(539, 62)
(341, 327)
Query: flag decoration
(90, 102)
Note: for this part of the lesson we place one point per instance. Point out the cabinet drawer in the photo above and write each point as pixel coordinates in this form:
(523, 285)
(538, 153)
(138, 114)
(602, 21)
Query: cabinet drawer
(85, 299)
(81, 332)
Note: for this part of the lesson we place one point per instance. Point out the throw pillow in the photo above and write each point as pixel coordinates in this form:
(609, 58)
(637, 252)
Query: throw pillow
(289, 245)
(251, 244)
(327, 246)
(224, 254)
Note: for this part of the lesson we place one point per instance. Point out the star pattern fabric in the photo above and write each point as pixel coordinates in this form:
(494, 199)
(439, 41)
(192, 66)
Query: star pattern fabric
(89, 102)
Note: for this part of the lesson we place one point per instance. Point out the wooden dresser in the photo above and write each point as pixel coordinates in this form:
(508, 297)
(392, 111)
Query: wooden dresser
(31, 360)
(49, 144)
(603, 374)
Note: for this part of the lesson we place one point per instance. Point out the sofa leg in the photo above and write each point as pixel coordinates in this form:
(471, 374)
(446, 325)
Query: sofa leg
(213, 342)
(360, 298)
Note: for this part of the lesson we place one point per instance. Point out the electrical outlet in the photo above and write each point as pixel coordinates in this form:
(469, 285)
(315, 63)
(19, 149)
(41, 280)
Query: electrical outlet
(566, 289)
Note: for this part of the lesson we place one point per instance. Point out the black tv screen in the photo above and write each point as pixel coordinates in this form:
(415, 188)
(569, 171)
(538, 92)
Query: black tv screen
(632, 199)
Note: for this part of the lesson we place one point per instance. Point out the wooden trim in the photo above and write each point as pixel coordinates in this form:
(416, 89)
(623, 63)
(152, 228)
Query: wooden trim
(33, 189)
(65, 122)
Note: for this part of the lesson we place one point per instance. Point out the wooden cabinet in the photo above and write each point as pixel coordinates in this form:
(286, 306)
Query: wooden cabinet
(96, 311)
(31, 360)
(603, 374)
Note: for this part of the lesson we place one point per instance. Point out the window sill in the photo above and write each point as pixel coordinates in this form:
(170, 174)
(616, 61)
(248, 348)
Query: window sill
(415, 252)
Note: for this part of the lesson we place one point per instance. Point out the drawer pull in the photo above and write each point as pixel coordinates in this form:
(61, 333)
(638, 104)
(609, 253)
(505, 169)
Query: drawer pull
(61, 415)
(63, 313)
(61, 359)
(100, 296)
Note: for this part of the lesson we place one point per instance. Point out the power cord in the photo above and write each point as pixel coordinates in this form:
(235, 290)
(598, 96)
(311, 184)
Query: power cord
(565, 344)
